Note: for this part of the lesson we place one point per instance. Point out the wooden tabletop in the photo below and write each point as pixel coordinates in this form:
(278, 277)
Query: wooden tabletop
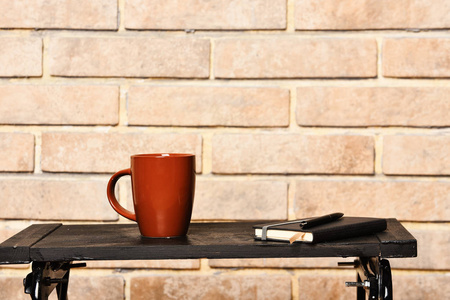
(57, 242)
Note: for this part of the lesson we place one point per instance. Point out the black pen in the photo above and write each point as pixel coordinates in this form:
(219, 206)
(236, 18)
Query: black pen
(320, 220)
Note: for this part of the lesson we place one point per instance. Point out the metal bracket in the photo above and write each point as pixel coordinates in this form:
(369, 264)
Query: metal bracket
(374, 278)
(46, 276)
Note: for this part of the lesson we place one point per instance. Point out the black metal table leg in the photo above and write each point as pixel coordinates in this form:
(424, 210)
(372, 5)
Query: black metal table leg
(62, 286)
(360, 291)
(385, 280)
(374, 278)
(46, 276)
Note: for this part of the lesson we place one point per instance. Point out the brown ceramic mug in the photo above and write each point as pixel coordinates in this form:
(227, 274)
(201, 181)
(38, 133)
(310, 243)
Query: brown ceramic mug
(163, 188)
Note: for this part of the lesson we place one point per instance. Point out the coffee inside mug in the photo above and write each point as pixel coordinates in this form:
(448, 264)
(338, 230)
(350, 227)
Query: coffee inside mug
(163, 188)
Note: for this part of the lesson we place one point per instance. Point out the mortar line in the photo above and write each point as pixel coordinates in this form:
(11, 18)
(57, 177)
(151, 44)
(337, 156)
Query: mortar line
(207, 152)
(123, 106)
(212, 46)
(38, 153)
(287, 178)
(380, 76)
(45, 61)
(295, 287)
(290, 16)
(307, 130)
(227, 34)
(378, 163)
(121, 16)
(293, 125)
(257, 82)
(292, 190)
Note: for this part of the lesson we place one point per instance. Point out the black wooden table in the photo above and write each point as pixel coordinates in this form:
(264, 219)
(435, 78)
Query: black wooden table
(52, 249)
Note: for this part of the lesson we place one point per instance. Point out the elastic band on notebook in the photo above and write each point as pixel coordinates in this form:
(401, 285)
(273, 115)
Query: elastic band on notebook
(264, 229)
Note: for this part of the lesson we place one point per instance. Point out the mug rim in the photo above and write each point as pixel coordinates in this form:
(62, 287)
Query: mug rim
(162, 155)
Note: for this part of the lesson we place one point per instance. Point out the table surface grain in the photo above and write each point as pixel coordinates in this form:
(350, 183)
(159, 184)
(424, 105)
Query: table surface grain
(57, 242)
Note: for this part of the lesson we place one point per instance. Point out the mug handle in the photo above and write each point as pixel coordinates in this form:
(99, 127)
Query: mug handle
(112, 197)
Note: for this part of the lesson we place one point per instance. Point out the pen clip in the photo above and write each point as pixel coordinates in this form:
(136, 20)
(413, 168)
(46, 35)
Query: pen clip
(304, 222)
(316, 221)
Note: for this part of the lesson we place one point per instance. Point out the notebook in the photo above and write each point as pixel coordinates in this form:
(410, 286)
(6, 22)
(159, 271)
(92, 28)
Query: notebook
(345, 227)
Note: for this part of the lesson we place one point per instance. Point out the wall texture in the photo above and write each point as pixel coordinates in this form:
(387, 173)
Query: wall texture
(294, 108)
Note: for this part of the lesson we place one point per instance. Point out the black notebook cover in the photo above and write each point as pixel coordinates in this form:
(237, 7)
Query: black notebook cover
(345, 227)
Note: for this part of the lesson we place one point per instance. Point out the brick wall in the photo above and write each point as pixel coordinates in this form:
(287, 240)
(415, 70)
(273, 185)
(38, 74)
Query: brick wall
(293, 108)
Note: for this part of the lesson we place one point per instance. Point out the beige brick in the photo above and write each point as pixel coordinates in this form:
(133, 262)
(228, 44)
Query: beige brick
(314, 286)
(416, 57)
(49, 199)
(177, 264)
(6, 233)
(129, 57)
(20, 56)
(211, 287)
(280, 263)
(110, 152)
(416, 155)
(70, 14)
(11, 288)
(63, 104)
(232, 199)
(295, 58)
(208, 106)
(96, 287)
(432, 247)
(371, 14)
(421, 286)
(17, 152)
(292, 153)
(373, 106)
(240, 200)
(194, 14)
(404, 200)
